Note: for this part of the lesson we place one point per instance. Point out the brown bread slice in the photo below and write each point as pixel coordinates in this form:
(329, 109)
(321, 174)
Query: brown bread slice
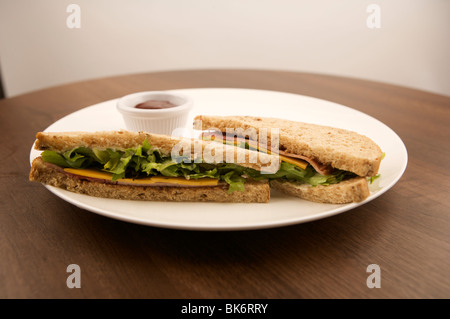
(255, 192)
(63, 141)
(348, 191)
(342, 149)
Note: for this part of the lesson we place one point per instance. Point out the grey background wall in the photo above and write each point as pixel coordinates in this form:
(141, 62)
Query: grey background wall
(410, 48)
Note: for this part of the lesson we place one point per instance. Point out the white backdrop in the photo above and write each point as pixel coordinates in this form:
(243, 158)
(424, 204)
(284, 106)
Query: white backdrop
(38, 49)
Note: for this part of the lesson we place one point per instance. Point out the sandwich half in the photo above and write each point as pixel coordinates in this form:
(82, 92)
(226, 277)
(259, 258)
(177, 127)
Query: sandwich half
(318, 163)
(142, 166)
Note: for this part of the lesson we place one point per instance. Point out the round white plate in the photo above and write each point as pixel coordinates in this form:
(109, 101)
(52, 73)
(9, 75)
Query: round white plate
(282, 210)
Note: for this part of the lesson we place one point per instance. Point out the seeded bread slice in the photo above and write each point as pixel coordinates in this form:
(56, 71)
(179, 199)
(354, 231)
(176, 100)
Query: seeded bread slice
(342, 149)
(255, 192)
(212, 152)
(348, 191)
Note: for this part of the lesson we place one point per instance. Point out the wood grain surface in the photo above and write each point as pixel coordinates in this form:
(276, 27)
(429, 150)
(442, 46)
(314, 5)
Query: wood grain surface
(406, 231)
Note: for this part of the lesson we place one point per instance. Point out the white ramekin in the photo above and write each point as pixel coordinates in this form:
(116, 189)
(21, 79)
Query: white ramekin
(159, 121)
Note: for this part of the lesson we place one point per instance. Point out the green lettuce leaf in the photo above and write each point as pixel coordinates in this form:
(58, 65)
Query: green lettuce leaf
(290, 172)
(54, 157)
(147, 161)
(236, 182)
(371, 179)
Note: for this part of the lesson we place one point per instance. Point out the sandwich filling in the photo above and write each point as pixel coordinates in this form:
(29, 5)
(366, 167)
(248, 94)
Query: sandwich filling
(297, 160)
(294, 168)
(146, 165)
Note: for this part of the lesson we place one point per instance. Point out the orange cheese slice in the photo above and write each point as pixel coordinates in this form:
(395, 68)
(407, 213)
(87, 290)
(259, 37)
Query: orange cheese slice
(294, 161)
(92, 173)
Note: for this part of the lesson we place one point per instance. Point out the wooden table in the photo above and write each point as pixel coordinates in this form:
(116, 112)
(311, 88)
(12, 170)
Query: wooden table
(406, 231)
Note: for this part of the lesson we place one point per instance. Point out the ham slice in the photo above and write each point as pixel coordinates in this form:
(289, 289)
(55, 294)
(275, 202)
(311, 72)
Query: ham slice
(323, 169)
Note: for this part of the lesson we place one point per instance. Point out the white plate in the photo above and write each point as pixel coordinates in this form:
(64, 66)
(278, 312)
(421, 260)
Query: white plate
(282, 209)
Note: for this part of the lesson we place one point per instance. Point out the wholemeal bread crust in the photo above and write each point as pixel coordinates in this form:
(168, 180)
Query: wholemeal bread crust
(255, 192)
(342, 149)
(211, 151)
(348, 191)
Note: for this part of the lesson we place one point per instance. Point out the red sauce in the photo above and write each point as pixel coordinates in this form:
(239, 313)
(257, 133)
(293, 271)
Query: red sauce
(155, 104)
